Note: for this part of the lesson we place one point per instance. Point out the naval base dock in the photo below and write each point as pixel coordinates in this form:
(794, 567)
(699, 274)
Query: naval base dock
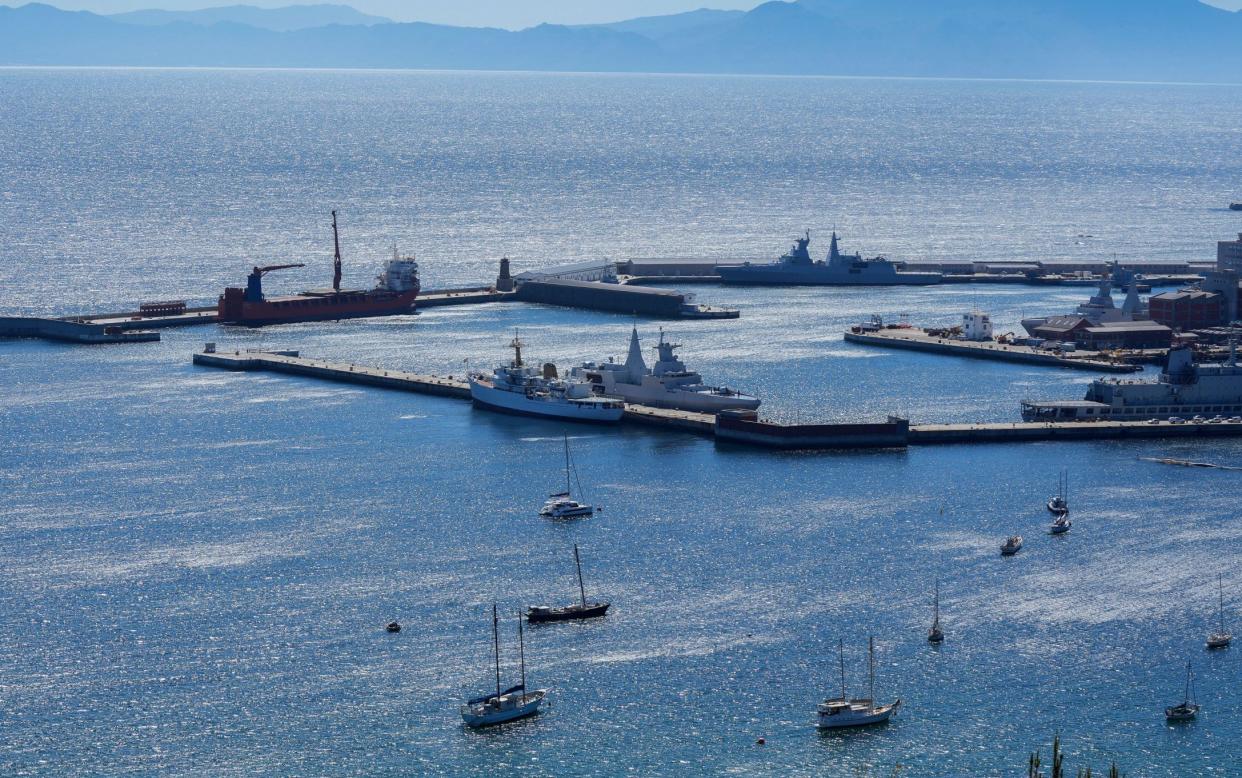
(742, 427)
(916, 339)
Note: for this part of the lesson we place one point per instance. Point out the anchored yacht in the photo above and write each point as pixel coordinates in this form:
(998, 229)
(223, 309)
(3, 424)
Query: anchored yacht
(668, 384)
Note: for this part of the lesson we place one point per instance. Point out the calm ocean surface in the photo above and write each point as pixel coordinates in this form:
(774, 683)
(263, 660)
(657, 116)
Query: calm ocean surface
(197, 566)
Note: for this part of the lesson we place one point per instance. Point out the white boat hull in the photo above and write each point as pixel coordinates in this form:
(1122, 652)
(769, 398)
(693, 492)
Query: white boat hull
(510, 707)
(490, 397)
(857, 716)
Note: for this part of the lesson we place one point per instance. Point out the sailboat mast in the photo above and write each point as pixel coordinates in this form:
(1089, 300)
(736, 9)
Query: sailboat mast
(522, 654)
(841, 660)
(1220, 584)
(496, 645)
(936, 607)
(581, 588)
(871, 667)
(567, 489)
(1187, 695)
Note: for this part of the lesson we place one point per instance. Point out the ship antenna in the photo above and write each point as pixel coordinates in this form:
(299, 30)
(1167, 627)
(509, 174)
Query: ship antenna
(516, 345)
(336, 265)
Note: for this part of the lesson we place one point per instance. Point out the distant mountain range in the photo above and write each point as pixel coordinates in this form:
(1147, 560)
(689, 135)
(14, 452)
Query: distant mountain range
(1161, 40)
(290, 17)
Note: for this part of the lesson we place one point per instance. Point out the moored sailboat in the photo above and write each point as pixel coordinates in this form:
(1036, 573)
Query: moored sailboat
(842, 712)
(536, 614)
(1187, 709)
(935, 635)
(1058, 504)
(562, 505)
(1221, 638)
(507, 705)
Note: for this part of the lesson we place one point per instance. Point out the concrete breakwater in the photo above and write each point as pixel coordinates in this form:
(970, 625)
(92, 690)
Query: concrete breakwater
(72, 331)
(918, 340)
(895, 433)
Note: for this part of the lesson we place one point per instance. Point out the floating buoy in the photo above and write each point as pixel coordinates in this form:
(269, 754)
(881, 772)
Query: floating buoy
(393, 627)
(761, 742)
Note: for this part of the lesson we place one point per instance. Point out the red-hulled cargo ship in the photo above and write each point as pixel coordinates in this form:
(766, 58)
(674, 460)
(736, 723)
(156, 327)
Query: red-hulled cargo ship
(398, 287)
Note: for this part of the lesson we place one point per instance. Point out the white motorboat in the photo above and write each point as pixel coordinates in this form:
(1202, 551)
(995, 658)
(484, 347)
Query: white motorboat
(842, 712)
(525, 390)
(1221, 638)
(936, 634)
(1012, 545)
(1187, 709)
(562, 505)
(507, 705)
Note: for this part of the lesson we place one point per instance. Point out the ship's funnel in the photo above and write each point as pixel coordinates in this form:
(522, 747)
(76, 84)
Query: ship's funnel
(549, 370)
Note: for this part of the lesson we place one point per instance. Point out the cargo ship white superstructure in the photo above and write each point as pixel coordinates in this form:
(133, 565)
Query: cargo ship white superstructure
(521, 389)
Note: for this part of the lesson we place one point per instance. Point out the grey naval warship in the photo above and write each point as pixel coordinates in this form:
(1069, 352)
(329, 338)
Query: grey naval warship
(798, 268)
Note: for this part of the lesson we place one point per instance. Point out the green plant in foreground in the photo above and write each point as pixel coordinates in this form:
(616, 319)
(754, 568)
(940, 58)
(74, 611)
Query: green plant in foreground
(1035, 764)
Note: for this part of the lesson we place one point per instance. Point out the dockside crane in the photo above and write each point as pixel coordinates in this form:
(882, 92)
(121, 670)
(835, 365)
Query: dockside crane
(254, 281)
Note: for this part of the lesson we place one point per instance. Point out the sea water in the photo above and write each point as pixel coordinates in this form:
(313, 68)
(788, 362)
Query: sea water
(197, 565)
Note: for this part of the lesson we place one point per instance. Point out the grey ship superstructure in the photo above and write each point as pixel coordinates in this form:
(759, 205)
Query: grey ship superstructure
(796, 267)
(1183, 389)
(668, 384)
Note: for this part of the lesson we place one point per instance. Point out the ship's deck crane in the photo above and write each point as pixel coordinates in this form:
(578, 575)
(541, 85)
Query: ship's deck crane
(254, 281)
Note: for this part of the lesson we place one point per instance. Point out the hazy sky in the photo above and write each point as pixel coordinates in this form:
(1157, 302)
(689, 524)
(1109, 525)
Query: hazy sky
(496, 13)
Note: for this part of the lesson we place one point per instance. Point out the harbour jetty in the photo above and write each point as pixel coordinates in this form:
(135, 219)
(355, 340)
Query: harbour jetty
(916, 339)
(741, 427)
(73, 331)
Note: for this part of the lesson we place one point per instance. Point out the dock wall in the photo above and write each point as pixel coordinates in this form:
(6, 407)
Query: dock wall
(68, 331)
(897, 433)
(916, 341)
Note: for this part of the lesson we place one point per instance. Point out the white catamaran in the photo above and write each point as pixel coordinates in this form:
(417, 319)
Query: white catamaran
(562, 505)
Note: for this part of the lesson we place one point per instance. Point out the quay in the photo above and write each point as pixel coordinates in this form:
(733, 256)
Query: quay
(73, 331)
(737, 427)
(701, 270)
(1029, 432)
(920, 340)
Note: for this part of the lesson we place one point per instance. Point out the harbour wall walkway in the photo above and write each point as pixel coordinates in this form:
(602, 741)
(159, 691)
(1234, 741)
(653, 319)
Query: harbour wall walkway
(918, 340)
(705, 424)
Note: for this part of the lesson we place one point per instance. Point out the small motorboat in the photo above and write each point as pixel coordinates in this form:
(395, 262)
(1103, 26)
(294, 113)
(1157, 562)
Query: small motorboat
(1012, 545)
(393, 627)
(510, 704)
(1061, 525)
(1235, 206)
(935, 635)
(1221, 637)
(537, 614)
(842, 712)
(1187, 709)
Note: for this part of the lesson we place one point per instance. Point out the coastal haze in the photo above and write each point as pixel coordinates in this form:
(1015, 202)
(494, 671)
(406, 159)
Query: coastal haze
(1119, 40)
(198, 564)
